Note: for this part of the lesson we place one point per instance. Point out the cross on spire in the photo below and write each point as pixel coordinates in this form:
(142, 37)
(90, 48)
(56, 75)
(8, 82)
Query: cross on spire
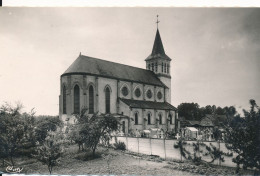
(157, 21)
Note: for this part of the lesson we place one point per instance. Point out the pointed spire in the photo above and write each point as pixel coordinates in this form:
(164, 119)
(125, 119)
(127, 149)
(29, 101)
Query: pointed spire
(158, 46)
(158, 50)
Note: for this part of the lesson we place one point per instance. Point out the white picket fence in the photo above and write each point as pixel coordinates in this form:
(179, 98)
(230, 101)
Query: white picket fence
(164, 148)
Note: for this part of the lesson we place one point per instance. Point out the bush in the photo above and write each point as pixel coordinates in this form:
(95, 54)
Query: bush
(120, 146)
(87, 156)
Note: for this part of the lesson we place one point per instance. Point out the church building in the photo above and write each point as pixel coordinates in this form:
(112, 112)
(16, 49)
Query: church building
(140, 98)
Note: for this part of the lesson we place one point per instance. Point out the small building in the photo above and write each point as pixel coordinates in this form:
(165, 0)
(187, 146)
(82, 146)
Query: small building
(191, 133)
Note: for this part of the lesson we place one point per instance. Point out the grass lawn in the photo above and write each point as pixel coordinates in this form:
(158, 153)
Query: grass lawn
(76, 163)
(73, 163)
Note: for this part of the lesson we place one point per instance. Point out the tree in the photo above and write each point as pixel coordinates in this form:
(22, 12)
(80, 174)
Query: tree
(190, 111)
(75, 136)
(230, 112)
(220, 111)
(92, 129)
(50, 151)
(12, 130)
(215, 153)
(97, 127)
(180, 144)
(45, 124)
(208, 109)
(243, 137)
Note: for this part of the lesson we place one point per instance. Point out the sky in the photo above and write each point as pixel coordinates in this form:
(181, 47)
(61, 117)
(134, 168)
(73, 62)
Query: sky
(215, 51)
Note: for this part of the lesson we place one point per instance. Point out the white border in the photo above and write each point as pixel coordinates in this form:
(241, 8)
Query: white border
(131, 3)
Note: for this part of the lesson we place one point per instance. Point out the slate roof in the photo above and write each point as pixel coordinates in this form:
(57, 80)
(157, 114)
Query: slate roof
(158, 50)
(148, 104)
(93, 66)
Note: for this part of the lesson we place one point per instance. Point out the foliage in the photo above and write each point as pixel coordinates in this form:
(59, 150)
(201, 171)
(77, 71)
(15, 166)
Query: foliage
(98, 126)
(91, 130)
(180, 144)
(74, 135)
(120, 146)
(16, 130)
(243, 137)
(50, 151)
(195, 156)
(44, 124)
(217, 134)
(190, 111)
(215, 153)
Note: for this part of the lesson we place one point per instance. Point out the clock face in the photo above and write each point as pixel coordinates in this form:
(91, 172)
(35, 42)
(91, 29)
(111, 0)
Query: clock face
(159, 95)
(125, 91)
(149, 94)
(137, 92)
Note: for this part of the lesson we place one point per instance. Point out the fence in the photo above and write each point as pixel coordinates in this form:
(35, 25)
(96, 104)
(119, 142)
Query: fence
(165, 148)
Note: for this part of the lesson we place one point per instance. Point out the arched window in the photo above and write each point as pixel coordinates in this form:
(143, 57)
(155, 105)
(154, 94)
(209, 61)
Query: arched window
(76, 99)
(64, 100)
(162, 67)
(107, 97)
(136, 118)
(91, 99)
(156, 67)
(170, 118)
(152, 67)
(165, 67)
(149, 119)
(148, 66)
(160, 119)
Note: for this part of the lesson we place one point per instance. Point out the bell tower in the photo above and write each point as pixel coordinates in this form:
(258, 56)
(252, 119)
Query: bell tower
(160, 63)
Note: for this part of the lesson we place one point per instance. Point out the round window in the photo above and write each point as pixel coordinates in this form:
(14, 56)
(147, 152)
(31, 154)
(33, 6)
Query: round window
(159, 95)
(125, 91)
(137, 92)
(149, 94)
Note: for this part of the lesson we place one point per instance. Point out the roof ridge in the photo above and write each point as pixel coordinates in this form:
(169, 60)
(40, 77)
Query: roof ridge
(115, 63)
(125, 65)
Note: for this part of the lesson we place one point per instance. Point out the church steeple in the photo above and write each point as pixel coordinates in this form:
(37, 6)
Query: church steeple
(160, 63)
(158, 46)
(158, 49)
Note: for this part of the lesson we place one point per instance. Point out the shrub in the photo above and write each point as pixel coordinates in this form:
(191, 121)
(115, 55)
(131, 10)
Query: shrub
(50, 152)
(120, 146)
(87, 156)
